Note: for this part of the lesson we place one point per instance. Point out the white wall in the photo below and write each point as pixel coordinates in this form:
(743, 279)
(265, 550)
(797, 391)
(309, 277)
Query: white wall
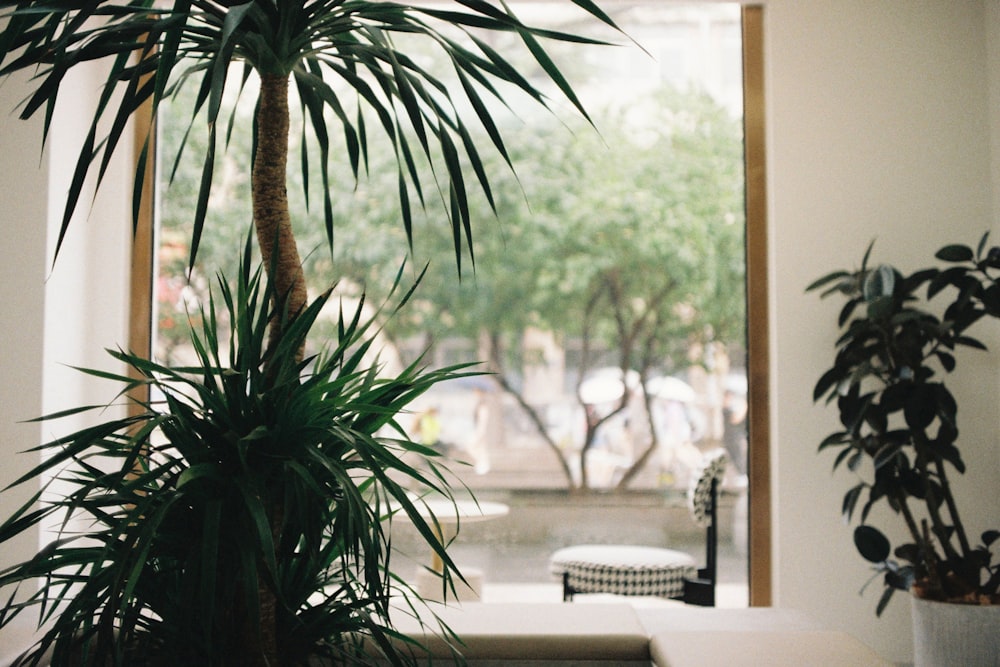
(22, 293)
(992, 21)
(88, 283)
(58, 316)
(878, 127)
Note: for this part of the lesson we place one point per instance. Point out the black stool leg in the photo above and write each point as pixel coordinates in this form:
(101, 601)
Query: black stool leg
(567, 589)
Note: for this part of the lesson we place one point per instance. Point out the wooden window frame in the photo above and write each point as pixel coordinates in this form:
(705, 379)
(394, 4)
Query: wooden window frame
(758, 330)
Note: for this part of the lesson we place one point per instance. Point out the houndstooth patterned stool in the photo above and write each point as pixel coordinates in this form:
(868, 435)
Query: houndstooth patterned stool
(640, 570)
(623, 570)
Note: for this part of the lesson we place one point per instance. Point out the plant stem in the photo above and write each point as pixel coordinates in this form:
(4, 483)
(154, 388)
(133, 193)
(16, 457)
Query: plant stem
(911, 522)
(532, 415)
(280, 256)
(949, 500)
(921, 445)
(272, 219)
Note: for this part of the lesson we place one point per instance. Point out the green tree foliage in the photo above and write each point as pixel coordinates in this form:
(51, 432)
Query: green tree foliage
(652, 202)
(630, 238)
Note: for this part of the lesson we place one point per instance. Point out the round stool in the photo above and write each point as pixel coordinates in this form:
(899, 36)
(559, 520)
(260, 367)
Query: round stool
(623, 570)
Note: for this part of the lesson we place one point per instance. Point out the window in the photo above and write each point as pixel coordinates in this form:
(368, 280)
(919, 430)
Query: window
(570, 352)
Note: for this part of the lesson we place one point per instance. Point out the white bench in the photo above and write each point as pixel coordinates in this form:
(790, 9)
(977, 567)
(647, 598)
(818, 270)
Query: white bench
(541, 634)
(699, 637)
(603, 634)
(531, 634)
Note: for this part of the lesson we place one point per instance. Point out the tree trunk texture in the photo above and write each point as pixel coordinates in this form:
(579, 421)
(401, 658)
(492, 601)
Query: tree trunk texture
(280, 256)
(272, 220)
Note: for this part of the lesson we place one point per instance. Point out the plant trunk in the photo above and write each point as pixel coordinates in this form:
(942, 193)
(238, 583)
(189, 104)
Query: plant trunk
(272, 219)
(648, 352)
(280, 257)
(539, 425)
(638, 466)
(496, 362)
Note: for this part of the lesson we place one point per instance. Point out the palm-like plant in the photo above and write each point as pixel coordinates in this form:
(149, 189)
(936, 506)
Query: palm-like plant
(322, 48)
(341, 58)
(177, 503)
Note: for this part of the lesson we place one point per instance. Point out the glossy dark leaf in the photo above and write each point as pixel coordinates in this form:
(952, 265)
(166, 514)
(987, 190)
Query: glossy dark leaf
(992, 259)
(950, 453)
(968, 341)
(851, 501)
(879, 283)
(912, 282)
(880, 307)
(850, 409)
(955, 253)
(867, 255)
(946, 405)
(981, 247)
(912, 483)
(948, 277)
(885, 455)
(920, 408)
(894, 397)
(855, 460)
(877, 419)
(871, 544)
(847, 311)
(836, 276)
(909, 552)
(989, 299)
(834, 439)
(841, 456)
(880, 490)
(947, 360)
(828, 381)
(943, 533)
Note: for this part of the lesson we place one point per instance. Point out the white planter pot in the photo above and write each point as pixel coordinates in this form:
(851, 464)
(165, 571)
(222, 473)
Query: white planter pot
(955, 634)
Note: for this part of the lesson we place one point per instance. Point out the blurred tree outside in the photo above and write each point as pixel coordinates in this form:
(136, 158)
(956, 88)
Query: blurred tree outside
(617, 246)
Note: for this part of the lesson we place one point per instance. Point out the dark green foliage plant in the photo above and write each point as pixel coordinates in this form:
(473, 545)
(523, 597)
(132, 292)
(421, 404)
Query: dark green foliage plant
(341, 69)
(167, 524)
(341, 58)
(900, 334)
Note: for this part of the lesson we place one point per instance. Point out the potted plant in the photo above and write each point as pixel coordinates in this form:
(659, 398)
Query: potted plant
(899, 426)
(168, 523)
(349, 77)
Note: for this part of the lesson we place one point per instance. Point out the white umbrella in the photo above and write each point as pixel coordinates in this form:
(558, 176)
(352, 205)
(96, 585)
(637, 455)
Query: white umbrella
(737, 383)
(672, 389)
(605, 385)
